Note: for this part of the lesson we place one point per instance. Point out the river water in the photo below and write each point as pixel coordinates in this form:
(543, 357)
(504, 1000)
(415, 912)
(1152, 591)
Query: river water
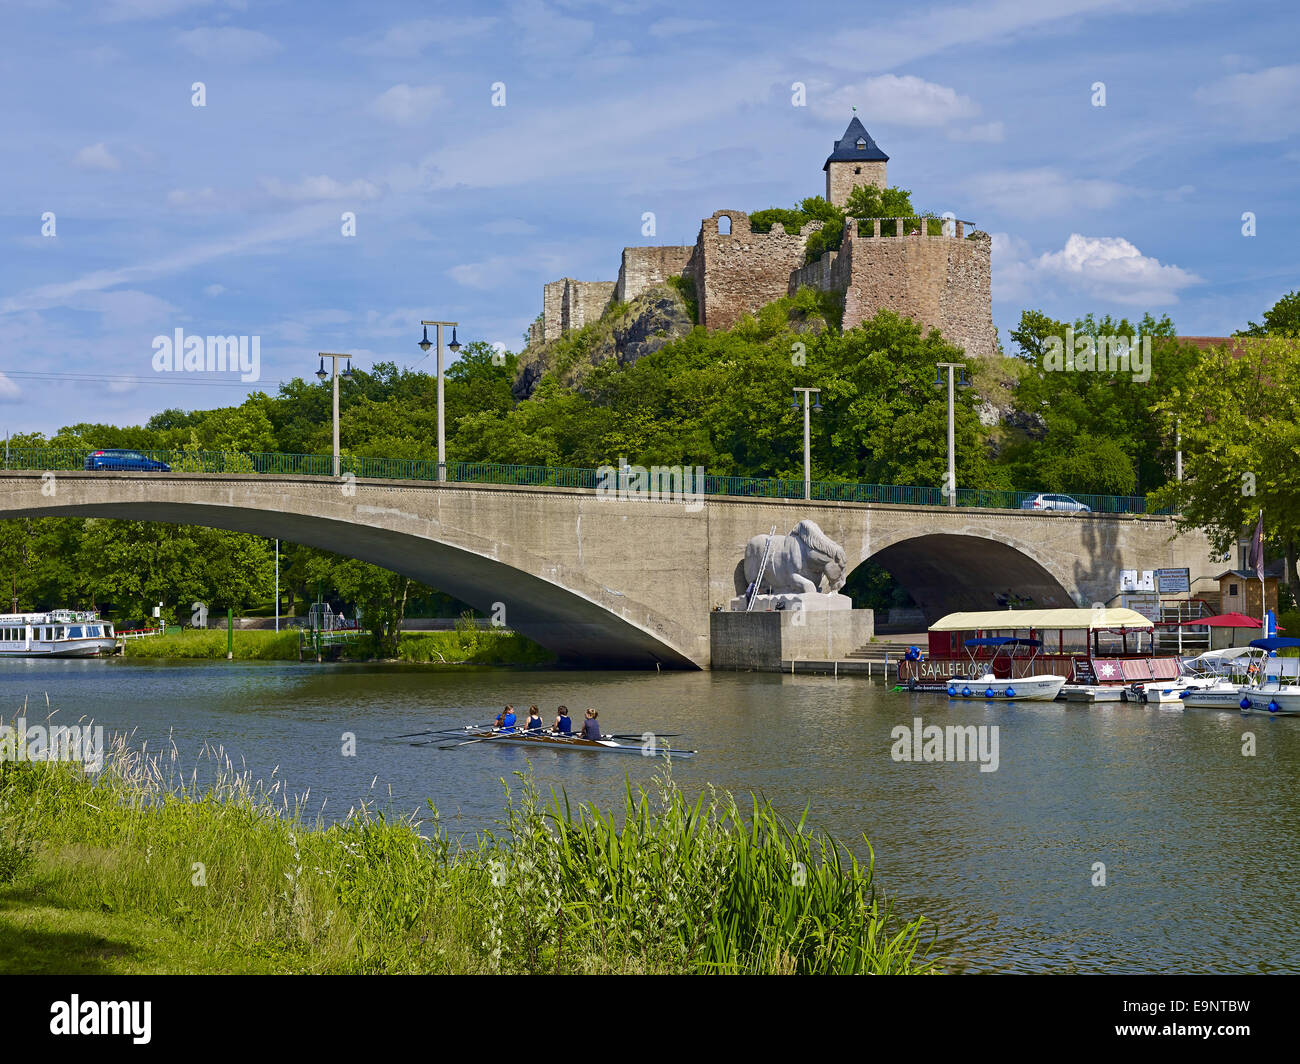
(1201, 844)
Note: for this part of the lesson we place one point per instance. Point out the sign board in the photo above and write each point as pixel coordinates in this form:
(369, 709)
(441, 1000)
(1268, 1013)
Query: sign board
(1134, 580)
(1145, 604)
(1174, 581)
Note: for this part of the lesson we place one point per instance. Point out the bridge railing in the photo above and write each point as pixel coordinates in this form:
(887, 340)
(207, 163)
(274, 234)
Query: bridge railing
(322, 465)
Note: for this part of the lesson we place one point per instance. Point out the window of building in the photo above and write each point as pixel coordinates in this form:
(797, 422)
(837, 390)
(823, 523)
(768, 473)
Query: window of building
(862, 144)
(857, 169)
(1232, 589)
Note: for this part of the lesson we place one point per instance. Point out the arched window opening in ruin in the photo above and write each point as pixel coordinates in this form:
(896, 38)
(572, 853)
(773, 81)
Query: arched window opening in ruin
(724, 225)
(857, 169)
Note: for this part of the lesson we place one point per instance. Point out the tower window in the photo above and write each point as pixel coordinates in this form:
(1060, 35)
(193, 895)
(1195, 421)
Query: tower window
(862, 144)
(857, 169)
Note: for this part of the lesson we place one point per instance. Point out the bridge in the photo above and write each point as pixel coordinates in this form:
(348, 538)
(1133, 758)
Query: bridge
(605, 579)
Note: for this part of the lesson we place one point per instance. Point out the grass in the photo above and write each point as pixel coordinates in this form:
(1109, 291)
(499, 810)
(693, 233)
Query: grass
(140, 869)
(478, 647)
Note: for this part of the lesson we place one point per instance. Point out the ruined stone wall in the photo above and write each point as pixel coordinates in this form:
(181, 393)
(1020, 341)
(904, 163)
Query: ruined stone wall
(568, 304)
(943, 282)
(819, 274)
(738, 272)
(585, 302)
(644, 268)
(843, 177)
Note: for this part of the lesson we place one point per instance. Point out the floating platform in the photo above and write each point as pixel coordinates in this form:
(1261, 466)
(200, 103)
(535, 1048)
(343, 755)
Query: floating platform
(1077, 692)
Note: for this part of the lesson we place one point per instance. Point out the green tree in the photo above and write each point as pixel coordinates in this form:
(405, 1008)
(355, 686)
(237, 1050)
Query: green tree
(1282, 319)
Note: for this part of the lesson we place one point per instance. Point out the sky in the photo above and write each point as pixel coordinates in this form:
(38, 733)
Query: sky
(1114, 149)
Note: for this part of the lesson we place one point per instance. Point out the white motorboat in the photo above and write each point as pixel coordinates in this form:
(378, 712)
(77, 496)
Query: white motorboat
(989, 688)
(56, 634)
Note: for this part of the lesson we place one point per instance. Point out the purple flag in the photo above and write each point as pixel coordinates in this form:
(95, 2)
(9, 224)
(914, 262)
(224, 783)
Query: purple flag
(1256, 558)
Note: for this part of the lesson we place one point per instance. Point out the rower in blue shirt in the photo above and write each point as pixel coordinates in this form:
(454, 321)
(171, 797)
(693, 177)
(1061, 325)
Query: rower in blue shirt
(506, 719)
(563, 725)
(534, 722)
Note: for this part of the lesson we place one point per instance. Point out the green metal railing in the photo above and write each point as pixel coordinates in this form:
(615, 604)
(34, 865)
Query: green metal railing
(322, 465)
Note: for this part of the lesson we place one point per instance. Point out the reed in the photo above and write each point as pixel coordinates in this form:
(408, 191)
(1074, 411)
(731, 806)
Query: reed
(248, 879)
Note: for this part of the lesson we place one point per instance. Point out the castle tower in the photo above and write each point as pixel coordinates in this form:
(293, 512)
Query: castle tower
(856, 160)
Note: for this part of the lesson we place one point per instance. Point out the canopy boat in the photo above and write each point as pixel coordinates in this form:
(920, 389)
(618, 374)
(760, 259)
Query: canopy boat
(1272, 697)
(1096, 652)
(556, 741)
(995, 683)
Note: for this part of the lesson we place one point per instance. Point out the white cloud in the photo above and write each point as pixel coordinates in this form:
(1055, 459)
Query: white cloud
(1042, 192)
(129, 10)
(904, 101)
(321, 187)
(9, 391)
(986, 133)
(1262, 106)
(544, 32)
(214, 290)
(1106, 267)
(487, 274)
(406, 105)
(97, 157)
(227, 44)
(409, 39)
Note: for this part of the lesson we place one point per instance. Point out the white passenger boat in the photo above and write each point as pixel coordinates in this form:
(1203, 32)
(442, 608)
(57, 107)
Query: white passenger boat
(57, 634)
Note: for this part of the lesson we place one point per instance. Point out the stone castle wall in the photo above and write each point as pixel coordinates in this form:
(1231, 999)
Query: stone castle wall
(643, 268)
(942, 282)
(568, 304)
(738, 272)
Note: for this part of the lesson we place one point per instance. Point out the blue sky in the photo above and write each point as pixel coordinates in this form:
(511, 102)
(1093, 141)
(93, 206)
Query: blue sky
(226, 219)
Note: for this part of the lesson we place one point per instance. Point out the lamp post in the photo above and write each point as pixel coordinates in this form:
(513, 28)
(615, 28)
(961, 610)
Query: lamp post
(453, 347)
(807, 434)
(347, 376)
(951, 483)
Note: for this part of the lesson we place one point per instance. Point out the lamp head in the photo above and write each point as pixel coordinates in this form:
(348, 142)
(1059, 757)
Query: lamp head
(347, 373)
(321, 372)
(424, 343)
(454, 346)
(817, 407)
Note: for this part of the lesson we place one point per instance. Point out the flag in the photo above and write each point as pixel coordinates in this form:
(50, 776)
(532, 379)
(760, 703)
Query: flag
(1256, 558)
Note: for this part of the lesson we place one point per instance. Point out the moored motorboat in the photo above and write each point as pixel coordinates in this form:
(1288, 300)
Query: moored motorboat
(55, 634)
(989, 688)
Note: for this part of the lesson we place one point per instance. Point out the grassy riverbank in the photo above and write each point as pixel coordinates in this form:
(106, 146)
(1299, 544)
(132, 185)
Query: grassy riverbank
(136, 871)
(476, 647)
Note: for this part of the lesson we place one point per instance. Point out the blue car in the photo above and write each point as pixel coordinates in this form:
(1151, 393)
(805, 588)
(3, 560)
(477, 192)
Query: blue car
(121, 459)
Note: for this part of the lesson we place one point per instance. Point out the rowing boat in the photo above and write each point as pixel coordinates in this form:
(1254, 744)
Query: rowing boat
(568, 742)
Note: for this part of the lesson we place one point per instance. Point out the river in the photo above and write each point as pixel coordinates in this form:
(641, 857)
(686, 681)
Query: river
(1200, 843)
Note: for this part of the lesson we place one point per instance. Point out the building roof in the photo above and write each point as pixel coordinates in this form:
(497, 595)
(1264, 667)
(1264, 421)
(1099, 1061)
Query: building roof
(847, 150)
(1250, 574)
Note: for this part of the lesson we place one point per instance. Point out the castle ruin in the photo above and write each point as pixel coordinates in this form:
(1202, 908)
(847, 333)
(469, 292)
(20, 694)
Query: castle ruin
(941, 281)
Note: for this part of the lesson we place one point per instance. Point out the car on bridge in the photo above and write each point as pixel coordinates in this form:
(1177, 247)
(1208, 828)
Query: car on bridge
(117, 458)
(1055, 502)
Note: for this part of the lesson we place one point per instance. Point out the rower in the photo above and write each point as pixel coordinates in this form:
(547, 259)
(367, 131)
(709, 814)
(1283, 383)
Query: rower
(590, 729)
(563, 724)
(506, 719)
(534, 723)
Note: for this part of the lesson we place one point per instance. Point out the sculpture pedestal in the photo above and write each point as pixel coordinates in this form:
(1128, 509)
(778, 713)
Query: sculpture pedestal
(810, 603)
(769, 640)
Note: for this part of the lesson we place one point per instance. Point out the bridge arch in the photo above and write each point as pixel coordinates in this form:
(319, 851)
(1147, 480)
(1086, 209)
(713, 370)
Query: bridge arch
(974, 569)
(559, 606)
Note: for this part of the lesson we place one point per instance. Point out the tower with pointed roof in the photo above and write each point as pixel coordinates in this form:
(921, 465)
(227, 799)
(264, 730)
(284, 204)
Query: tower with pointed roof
(855, 160)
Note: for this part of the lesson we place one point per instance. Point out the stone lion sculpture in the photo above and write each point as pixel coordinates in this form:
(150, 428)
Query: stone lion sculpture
(797, 564)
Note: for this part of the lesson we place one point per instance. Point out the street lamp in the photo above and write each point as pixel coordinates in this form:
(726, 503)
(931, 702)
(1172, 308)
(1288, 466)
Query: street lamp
(807, 434)
(424, 345)
(950, 485)
(347, 376)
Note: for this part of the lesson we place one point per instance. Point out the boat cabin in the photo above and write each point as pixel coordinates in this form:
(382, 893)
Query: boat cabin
(1086, 646)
